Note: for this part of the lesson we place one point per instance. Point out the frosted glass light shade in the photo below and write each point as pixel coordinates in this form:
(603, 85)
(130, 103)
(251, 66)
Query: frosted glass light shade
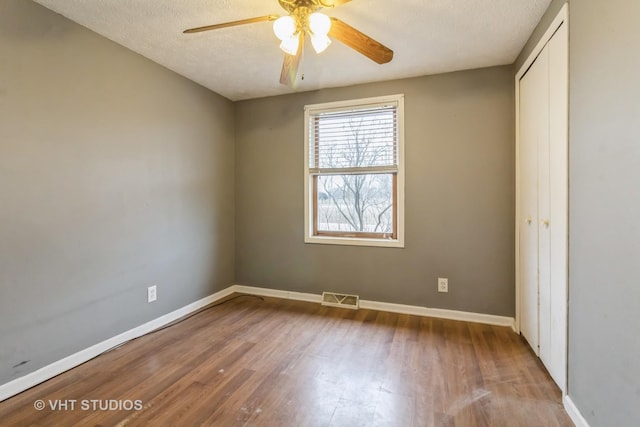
(319, 24)
(284, 27)
(290, 44)
(320, 42)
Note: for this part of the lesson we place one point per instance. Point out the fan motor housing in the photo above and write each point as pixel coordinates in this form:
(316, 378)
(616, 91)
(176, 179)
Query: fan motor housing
(291, 5)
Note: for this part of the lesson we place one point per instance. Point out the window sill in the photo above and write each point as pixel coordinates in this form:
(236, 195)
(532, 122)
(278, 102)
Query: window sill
(354, 241)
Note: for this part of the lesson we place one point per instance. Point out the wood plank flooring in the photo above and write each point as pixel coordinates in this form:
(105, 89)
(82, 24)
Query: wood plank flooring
(278, 362)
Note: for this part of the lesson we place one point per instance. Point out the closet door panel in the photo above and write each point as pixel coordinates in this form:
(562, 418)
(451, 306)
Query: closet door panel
(533, 101)
(555, 360)
(544, 265)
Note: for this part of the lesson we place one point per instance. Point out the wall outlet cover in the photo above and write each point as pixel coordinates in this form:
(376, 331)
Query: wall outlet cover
(152, 293)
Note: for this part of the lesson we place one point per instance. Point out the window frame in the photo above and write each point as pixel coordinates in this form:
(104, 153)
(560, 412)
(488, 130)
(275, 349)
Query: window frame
(311, 179)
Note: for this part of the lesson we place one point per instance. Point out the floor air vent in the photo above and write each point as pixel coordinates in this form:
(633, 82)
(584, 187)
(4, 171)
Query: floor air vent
(340, 300)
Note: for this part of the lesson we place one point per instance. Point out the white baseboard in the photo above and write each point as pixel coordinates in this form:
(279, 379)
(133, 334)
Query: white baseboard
(275, 293)
(573, 412)
(488, 319)
(56, 368)
(465, 316)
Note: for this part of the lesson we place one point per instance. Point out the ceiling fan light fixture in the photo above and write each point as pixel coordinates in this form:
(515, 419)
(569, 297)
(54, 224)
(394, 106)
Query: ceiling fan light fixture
(302, 20)
(284, 27)
(320, 42)
(290, 44)
(319, 24)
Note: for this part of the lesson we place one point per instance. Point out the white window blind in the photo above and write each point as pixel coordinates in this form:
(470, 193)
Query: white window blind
(354, 141)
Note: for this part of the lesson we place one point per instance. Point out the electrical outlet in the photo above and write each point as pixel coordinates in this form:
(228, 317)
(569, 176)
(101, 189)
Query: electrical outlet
(443, 284)
(152, 293)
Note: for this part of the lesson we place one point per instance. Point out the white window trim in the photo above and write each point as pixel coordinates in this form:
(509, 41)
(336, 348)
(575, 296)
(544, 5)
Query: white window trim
(308, 207)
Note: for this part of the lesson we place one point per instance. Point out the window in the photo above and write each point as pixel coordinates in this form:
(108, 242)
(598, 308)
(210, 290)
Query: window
(354, 172)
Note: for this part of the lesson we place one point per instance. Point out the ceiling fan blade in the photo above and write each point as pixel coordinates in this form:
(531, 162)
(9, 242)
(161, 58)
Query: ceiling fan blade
(290, 65)
(231, 24)
(360, 42)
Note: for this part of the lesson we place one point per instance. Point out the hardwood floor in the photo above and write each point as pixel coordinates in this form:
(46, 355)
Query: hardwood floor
(289, 363)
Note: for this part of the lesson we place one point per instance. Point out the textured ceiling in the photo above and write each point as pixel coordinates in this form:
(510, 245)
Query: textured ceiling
(427, 36)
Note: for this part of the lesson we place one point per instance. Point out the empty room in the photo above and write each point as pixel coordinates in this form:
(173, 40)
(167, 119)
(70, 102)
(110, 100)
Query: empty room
(319, 213)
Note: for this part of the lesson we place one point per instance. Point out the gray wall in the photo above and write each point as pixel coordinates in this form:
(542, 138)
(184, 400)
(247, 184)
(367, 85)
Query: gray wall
(115, 174)
(604, 311)
(459, 197)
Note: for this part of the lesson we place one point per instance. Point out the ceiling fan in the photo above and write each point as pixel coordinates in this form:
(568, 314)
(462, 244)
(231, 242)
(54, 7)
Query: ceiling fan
(305, 19)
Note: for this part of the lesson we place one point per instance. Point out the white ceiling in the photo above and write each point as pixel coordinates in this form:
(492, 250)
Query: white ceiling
(427, 36)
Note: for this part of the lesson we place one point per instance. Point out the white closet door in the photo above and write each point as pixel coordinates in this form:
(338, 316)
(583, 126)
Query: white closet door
(534, 132)
(554, 355)
(544, 209)
(543, 205)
